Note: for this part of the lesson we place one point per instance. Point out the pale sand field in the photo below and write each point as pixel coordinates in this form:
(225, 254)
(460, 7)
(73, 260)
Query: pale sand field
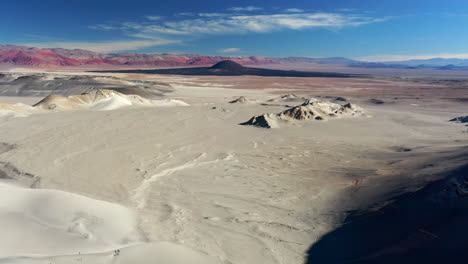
(187, 183)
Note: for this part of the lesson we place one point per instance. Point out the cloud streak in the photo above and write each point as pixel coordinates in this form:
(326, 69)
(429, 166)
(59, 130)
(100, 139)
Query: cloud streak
(154, 17)
(245, 8)
(294, 10)
(229, 50)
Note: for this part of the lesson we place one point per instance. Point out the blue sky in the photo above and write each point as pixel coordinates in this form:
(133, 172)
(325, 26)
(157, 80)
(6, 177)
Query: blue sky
(365, 29)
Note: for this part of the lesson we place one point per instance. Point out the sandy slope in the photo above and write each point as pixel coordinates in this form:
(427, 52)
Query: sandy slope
(49, 226)
(239, 194)
(99, 100)
(47, 222)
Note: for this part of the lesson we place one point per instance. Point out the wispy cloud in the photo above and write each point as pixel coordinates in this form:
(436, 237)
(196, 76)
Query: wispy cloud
(212, 14)
(103, 27)
(382, 58)
(185, 14)
(347, 10)
(158, 30)
(245, 8)
(217, 23)
(229, 50)
(294, 10)
(154, 17)
(109, 46)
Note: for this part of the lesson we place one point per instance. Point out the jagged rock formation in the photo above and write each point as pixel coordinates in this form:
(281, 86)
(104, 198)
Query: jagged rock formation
(310, 110)
(320, 110)
(265, 120)
(287, 98)
(299, 113)
(243, 100)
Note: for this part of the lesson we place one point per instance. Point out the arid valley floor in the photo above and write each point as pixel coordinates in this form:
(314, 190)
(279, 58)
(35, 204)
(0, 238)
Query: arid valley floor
(180, 181)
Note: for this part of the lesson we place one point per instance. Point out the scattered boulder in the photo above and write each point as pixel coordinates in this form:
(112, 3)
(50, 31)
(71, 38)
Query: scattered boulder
(376, 101)
(266, 121)
(401, 149)
(220, 109)
(340, 99)
(287, 98)
(243, 100)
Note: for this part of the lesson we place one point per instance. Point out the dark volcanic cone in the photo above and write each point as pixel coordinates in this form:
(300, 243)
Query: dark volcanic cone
(228, 65)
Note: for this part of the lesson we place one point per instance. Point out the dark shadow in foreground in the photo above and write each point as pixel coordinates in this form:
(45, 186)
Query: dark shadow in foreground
(426, 226)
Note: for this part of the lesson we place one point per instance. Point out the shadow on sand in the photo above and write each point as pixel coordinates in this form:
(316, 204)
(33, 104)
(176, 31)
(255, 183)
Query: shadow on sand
(426, 226)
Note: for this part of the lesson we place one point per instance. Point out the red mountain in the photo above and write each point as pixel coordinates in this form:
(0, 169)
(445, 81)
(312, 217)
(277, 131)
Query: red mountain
(32, 56)
(21, 55)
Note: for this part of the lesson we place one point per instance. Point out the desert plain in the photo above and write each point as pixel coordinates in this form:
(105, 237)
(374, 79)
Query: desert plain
(177, 179)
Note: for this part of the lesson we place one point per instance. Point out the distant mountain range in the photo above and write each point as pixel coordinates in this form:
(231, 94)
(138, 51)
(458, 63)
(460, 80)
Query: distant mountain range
(437, 63)
(22, 55)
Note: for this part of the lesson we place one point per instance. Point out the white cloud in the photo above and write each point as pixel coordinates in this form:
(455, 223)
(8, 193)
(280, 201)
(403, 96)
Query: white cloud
(245, 8)
(294, 10)
(382, 58)
(103, 27)
(110, 46)
(346, 10)
(154, 17)
(212, 14)
(184, 26)
(236, 24)
(229, 50)
(185, 14)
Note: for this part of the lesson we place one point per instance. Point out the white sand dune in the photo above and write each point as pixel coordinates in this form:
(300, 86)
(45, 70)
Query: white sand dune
(49, 226)
(39, 222)
(150, 253)
(99, 100)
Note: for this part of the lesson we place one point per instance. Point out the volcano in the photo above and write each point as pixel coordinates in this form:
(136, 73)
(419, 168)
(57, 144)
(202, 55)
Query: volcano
(228, 65)
(231, 68)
